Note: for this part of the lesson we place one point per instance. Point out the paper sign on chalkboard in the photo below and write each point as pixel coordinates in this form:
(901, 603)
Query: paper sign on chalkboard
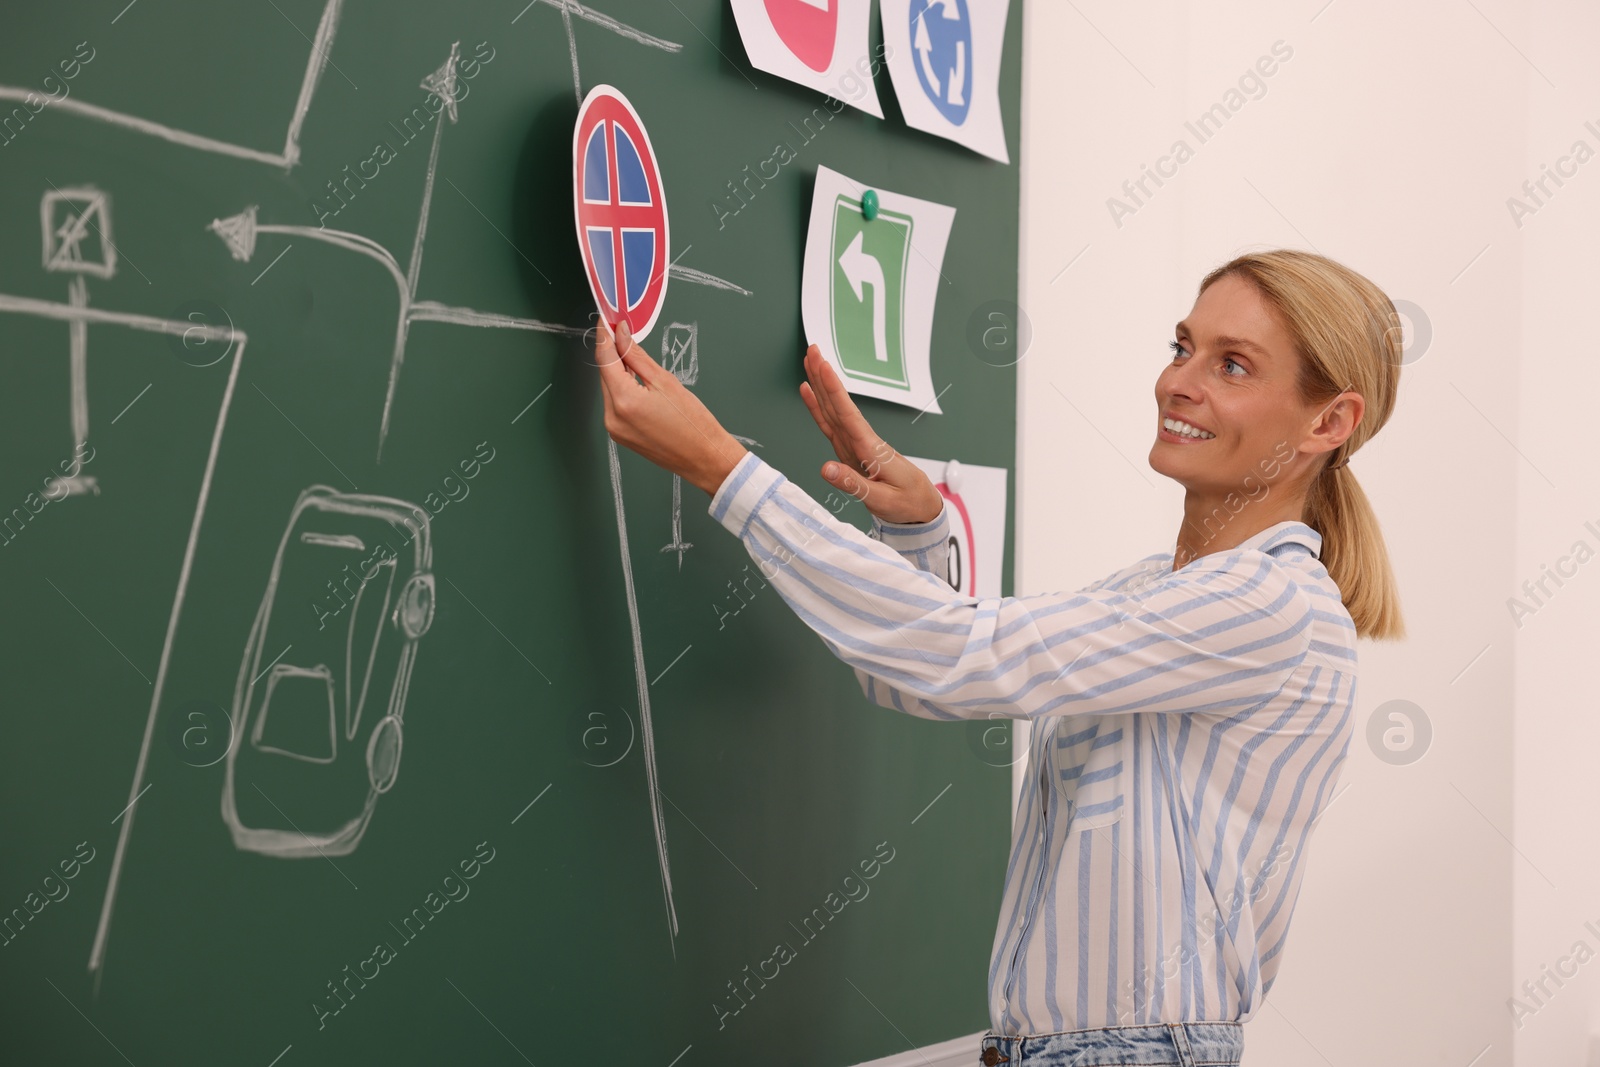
(944, 59)
(868, 289)
(975, 500)
(817, 43)
(620, 210)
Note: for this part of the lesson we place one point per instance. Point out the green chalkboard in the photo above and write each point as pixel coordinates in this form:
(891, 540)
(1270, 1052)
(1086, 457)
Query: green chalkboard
(263, 446)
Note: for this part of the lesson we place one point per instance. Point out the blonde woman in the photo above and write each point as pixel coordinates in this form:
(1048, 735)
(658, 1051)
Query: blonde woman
(1193, 708)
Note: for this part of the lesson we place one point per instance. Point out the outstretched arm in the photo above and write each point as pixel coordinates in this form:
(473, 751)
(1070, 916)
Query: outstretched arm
(1223, 634)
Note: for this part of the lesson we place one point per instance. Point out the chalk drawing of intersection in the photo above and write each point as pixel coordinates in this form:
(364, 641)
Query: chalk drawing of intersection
(239, 233)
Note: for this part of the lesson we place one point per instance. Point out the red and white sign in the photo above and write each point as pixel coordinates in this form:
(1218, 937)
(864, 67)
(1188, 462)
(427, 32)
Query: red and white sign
(620, 210)
(963, 559)
(808, 27)
(977, 515)
(821, 44)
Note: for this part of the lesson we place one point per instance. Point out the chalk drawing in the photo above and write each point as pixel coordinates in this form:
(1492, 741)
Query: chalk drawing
(678, 544)
(680, 351)
(64, 250)
(680, 354)
(569, 8)
(79, 313)
(291, 145)
(642, 684)
(700, 277)
(66, 217)
(293, 708)
(239, 234)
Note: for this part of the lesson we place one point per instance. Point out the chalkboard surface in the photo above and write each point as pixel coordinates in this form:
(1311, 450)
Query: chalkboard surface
(363, 703)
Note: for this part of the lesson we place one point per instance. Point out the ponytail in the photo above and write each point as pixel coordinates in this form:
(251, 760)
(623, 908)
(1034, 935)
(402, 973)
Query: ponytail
(1349, 340)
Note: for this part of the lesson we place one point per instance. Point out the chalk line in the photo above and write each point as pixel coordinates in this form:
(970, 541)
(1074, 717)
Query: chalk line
(700, 277)
(433, 311)
(26, 305)
(600, 19)
(78, 355)
(442, 84)
(97, 953)
(291, 146)
(643, 685)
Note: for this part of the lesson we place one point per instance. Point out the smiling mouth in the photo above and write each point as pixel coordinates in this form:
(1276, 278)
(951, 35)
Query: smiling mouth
(1180, 432)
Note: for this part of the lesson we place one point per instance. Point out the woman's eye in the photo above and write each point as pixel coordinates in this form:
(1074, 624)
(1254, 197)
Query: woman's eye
(1177, 351)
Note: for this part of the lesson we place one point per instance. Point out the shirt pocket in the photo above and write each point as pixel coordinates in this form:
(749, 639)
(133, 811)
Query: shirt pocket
(1089, 768)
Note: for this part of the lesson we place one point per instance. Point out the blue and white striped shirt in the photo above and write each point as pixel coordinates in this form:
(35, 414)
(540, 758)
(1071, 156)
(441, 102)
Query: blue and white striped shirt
(1189, 729)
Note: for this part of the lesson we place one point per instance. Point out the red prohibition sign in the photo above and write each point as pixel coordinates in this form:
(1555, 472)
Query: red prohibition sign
(969, 576)
(620, 211)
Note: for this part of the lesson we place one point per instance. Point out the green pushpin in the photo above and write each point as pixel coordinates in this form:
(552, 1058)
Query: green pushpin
(869, 205)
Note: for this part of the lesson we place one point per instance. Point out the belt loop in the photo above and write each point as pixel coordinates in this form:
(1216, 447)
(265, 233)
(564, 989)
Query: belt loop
(1180, 1041)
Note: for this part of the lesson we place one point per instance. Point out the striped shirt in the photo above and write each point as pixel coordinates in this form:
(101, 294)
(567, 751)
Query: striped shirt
(1189, 728)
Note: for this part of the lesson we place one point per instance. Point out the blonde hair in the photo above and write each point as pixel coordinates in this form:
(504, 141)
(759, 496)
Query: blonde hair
(1348, 336)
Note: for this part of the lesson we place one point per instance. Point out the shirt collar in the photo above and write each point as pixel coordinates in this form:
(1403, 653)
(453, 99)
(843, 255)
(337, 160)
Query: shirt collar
(1290, 531)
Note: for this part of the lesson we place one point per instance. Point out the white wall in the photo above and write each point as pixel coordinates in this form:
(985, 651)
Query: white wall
(1557, 740)
(1389, 141)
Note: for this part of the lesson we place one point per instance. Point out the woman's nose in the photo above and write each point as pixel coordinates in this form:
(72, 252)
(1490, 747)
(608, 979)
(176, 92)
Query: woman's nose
(1186, 379)
(1174, 383)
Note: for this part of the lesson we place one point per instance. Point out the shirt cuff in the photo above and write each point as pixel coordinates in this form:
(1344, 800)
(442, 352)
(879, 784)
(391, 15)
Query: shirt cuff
(913, 536)
(750, 482)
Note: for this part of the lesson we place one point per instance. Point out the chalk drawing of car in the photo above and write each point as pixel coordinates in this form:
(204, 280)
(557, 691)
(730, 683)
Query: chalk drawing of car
(321, 691)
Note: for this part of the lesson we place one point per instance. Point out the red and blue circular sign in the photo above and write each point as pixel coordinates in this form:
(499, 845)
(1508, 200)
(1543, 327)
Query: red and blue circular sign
(620, 210)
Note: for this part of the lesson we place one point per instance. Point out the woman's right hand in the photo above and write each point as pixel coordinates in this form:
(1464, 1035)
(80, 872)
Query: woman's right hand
(889, 485)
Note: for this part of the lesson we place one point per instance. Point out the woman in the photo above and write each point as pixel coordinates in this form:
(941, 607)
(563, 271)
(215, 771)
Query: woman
(1193, 708)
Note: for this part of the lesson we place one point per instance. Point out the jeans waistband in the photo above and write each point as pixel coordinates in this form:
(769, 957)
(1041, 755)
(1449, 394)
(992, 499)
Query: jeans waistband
(1190, 1044)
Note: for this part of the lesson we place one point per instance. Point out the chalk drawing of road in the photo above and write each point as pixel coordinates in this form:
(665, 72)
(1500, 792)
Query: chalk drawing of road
(73, 213)
(241, 233)
(287, 158)
(78, 316)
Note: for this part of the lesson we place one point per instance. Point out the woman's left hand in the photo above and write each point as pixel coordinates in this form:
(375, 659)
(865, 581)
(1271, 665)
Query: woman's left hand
(658, 417)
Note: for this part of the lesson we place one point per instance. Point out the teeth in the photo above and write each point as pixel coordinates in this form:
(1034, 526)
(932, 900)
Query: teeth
(1178, 426)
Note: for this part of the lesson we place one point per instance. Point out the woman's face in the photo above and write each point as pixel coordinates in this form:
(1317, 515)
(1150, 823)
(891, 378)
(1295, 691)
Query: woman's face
(1234, 379)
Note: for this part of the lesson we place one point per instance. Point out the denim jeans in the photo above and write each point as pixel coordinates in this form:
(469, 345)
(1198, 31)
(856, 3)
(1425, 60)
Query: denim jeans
(1195, 1044)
